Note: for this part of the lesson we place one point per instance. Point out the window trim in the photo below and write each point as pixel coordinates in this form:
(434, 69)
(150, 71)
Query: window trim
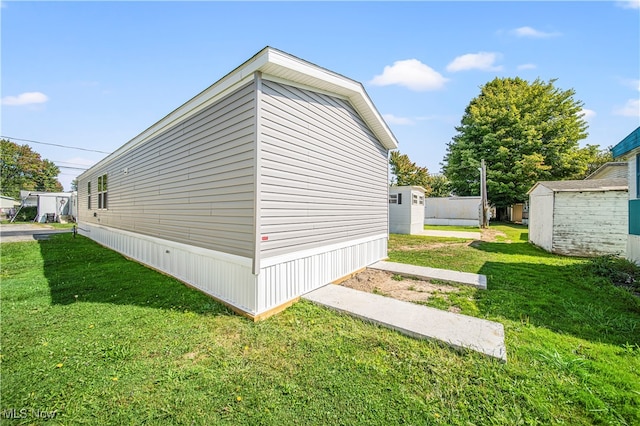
(102, 192)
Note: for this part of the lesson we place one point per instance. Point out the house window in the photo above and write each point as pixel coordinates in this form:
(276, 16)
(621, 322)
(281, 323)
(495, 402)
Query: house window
(102, 192)
(393, 198)
(421, 200)
(414, 199)
(89, 195)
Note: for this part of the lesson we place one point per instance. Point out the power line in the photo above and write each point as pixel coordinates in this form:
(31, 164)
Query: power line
(55, 144)
(74, 168)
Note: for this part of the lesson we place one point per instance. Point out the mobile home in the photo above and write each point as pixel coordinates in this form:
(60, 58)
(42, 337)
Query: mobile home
(270, 183)
(629, 149)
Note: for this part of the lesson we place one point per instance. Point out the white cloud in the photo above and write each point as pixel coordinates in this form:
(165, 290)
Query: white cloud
(587, 114)
(527, 67)
(392, 119)
(412, 74)
(630, 109)
(480, 61)
(634, 84)
(532, 33)
(27, 98)
(629, 4)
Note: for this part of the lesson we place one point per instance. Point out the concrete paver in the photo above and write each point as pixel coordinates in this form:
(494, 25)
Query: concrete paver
(459, 331)
(476, 280)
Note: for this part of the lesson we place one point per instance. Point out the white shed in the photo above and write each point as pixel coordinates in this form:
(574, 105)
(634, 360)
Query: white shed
(579, 217)
(270, 183)
(406, 209)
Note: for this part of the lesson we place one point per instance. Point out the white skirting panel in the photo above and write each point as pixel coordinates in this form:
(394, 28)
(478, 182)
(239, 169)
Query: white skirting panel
(226, 277)
(229, 278)
(286, 277)
(633, 248)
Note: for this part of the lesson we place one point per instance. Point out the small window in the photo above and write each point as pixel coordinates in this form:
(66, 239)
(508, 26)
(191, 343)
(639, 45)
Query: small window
(393, 198)
(421, 200)
(414, 199)
(102, 192)
(89, 195)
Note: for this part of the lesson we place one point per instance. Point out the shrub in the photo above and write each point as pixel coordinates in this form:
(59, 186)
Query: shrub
(27, 214)
(617, 270)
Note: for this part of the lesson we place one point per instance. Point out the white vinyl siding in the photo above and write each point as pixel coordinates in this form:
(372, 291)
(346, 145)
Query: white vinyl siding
(323, 173)
(192, 184)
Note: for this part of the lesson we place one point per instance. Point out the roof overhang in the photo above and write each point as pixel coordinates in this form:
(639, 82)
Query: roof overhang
(280, 66)
(629, 143)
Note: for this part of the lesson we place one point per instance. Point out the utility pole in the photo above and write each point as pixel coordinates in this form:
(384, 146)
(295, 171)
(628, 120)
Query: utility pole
(483, 196)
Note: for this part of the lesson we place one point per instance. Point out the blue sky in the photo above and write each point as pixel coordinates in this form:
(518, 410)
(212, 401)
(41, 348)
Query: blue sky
(95, 74)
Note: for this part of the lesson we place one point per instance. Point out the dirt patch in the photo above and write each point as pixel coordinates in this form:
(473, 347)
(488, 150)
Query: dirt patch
(491, 234)
(401, 288)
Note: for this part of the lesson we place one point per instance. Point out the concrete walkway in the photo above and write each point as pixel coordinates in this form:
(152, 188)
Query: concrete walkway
(12, 233)
(451, 234)
(476, 280)
(459, 331)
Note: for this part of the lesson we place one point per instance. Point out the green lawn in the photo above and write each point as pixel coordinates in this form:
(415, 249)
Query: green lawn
(103, 340)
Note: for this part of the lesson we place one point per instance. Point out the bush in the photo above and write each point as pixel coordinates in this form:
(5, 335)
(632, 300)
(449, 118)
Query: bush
(27, 214)
(617, 270)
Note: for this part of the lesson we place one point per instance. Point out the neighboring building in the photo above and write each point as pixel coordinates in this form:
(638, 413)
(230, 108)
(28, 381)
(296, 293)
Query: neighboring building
(629, 148)
(7, 207)
(270, 183)
(611, 170)
(579, 217)
(406, 209)
(516, 213)
(462, 211)
(52, 206)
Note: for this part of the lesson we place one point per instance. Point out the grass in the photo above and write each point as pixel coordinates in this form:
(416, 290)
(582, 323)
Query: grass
(100, 339)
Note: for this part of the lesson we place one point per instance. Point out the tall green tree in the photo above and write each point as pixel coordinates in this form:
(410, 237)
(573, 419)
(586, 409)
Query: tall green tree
(596, 157)
(439, 186)
(23, 168)
(405, 172)
(525, 131)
